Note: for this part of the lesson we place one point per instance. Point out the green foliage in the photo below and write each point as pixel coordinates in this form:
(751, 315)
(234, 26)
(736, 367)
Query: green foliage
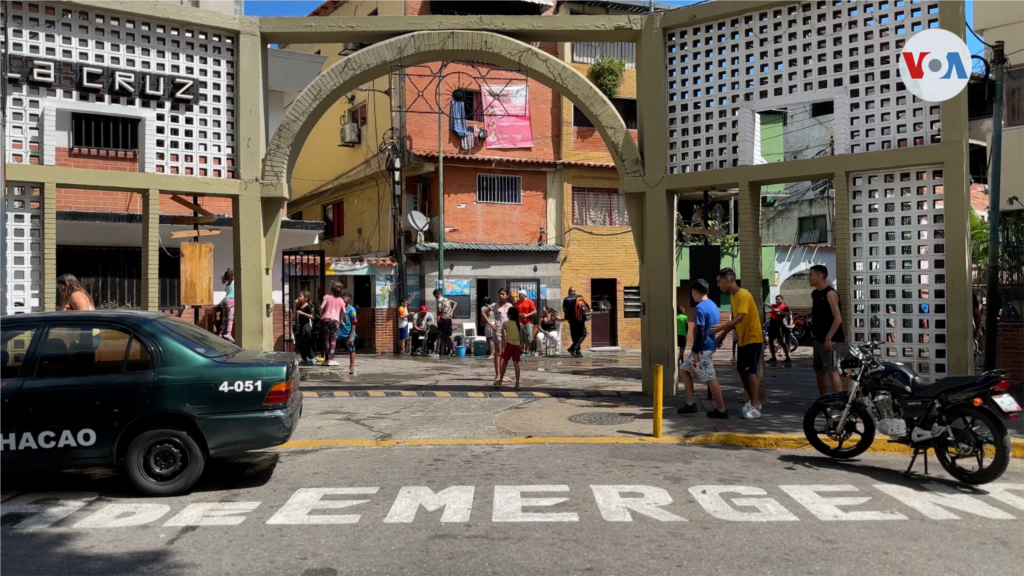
(606, 74)
(979, 241)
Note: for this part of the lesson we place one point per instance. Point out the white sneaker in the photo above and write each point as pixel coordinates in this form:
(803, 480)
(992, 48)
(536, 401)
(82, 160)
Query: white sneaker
(333, 363)
(752, 413)
(352, 371)
(745, 408)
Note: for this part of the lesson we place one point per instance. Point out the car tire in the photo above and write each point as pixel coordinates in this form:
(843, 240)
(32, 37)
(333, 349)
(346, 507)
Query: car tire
(164, 461)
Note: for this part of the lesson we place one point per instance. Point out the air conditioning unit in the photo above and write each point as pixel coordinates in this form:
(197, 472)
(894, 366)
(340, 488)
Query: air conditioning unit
(350, 134)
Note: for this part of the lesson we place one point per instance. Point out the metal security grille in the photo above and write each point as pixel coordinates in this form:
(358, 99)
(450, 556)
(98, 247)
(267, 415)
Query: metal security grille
(598, 207)
(631, 306)
(100, 132)
(113, 275)
(813, 230)
(499, 189)
(589, 52)
(301, 270)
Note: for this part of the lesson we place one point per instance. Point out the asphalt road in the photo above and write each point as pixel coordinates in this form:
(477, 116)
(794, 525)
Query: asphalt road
(533, 509)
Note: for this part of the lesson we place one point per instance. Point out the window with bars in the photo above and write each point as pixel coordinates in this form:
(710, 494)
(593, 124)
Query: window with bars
(499, 189)
(598, 207)
(812, 230)
(101, 132)
(334, 220)
(631, 306)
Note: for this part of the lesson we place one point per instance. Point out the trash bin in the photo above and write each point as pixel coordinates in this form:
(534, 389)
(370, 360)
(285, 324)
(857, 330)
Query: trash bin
(480, 348)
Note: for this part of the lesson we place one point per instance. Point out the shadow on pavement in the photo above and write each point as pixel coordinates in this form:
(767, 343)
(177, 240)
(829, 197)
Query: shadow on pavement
(894, 475)
(51, 552)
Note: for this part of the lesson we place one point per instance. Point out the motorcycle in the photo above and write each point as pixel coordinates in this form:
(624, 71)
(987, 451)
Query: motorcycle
(955, 416)
(802, 326)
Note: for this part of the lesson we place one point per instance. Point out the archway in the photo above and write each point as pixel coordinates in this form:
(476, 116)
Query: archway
(421, 47)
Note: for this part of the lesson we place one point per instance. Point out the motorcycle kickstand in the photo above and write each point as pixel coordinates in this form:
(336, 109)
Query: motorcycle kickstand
(909, 473)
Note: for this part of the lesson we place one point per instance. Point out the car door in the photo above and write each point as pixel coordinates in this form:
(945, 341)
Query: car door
(16, 342)
(90, 379)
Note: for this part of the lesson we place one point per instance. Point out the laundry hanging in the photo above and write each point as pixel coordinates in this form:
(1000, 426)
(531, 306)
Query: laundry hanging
(469, 140)
(457, 113)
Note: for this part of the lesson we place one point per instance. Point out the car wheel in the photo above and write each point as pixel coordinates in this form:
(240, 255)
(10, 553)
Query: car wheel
(164, 461)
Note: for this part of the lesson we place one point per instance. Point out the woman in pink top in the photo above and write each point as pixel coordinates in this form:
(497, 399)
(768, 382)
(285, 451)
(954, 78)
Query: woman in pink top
(330, 319)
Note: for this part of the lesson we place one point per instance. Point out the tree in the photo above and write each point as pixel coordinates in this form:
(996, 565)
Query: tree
(979, 243)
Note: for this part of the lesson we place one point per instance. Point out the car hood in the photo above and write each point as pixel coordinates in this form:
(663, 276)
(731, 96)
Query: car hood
(258, 357)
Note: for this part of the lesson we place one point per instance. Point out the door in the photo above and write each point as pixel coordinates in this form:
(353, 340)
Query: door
(90, 380)
(15, 347)
(603, 306)
(301, 270)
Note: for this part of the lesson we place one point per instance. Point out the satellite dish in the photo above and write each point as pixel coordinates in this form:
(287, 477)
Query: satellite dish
(417, 221)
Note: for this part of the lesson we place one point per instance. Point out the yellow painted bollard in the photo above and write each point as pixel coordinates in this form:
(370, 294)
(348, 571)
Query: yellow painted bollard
(658, 401)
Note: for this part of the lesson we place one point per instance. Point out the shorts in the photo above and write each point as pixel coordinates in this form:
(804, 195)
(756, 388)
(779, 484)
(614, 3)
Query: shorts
(827, 360)
(344, 345)
(700, 366)
(778, 331)
(747, 358)
(403, 333)
(512, 352)
(444, 327)
(528, 332)
(681, 340)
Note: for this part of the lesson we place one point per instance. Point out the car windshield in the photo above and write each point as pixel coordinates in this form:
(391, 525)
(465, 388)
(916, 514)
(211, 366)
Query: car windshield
(198, 340)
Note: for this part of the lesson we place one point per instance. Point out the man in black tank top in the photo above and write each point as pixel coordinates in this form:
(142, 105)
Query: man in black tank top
(828, 330)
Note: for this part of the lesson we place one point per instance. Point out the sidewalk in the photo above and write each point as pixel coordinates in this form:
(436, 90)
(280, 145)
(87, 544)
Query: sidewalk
(598, 395)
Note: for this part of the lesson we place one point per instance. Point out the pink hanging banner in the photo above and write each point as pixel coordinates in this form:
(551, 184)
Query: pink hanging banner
(507, 116)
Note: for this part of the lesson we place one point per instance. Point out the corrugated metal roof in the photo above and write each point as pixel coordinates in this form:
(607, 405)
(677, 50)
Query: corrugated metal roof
(638, 6)
(432, 246)
(512, 159)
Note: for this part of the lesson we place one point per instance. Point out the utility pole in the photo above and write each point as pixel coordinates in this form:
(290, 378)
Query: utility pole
(440, 177)
(993, 304)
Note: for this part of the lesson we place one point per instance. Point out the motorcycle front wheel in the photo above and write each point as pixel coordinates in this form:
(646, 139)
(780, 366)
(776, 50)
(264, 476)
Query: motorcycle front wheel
(799, 332)
(821, 423)
(976, 449)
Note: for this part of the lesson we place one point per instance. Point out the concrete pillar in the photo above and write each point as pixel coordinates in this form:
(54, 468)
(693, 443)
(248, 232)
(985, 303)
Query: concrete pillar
(841, 240)
(658, 291)
(251, 319)
(749, 208)
(272, 213)
(48, 296)
(556, 206)
(150, 250)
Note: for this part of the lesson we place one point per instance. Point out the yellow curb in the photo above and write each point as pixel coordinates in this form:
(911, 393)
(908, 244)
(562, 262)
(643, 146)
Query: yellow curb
(442, 394)
(475, 394)
(376, 393)
(764, 441)
(309, 395)
(408, 393)
(541, 395)
(510, 394)
(341, 394)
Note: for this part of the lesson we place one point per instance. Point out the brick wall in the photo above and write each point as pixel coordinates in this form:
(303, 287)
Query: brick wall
(491, 223)
(97, 160)
(417, 7)
(378, 329)
(979, 197)
(1010, 350)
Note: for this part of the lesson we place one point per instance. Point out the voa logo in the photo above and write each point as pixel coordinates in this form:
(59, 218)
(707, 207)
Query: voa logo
(935, 65)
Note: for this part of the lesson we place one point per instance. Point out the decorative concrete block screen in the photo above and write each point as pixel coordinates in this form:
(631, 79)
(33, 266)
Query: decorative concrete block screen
(721, 74)
(899, 266)
(24, 229)
(188, 129)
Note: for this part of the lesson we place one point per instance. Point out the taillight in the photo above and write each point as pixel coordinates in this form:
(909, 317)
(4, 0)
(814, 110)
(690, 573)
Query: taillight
(280, 393)
(1002, 385)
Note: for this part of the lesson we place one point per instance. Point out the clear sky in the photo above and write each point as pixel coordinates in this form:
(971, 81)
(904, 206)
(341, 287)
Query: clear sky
(304, 7)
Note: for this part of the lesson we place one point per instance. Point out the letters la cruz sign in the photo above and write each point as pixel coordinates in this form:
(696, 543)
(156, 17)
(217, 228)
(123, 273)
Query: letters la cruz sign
(935, 65)
(100, 79)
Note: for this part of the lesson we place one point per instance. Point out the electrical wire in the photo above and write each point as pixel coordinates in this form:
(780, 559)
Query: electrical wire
(980, 39)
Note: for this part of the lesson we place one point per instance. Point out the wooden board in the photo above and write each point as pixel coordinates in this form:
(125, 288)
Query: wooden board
(194, 233)
(196, 273)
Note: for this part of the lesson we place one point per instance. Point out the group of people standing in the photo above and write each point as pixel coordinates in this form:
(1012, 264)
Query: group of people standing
(337, 320)
(709, 335)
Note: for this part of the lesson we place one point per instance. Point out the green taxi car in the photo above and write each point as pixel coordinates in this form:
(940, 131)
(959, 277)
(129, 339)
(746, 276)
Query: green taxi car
(143, 390)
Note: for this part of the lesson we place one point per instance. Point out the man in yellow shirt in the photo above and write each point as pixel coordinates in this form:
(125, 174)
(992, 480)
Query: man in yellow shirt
(748, 327)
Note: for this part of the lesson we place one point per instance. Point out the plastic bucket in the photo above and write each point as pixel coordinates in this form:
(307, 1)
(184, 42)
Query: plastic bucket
(460, 351)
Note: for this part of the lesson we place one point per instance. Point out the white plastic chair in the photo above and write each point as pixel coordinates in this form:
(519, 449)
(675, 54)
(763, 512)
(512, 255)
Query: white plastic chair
(469, 329)
(550, 346)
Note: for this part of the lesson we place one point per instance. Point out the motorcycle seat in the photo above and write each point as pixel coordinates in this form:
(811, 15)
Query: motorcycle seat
(925, 389)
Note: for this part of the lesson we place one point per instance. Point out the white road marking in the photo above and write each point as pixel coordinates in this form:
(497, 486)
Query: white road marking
(827, 508)
(48, 514)
(457, 502)
(768, 509)
(615, 508)
(509, 502)
(305, 500)
(933, 501)
(212, 514)
(1001, 491)
(124, 515)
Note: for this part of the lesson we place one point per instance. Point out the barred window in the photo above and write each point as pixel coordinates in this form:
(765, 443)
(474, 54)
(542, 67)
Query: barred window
(598, 207)
(102, 132)
(499, 189)
(813, 230)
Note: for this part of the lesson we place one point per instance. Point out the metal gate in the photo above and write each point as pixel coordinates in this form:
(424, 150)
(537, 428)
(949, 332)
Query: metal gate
(528, 286)
(300, 270)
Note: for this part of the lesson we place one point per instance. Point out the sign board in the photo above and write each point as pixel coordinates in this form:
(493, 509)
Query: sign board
(87, 77)
(196, 274)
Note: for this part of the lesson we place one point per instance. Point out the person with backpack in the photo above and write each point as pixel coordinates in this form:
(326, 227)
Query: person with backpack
(577, 312)
(511, 334)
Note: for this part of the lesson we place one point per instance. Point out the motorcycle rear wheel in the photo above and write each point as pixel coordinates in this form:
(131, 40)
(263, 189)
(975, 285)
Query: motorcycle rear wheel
(820, 422)
(979, 441)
